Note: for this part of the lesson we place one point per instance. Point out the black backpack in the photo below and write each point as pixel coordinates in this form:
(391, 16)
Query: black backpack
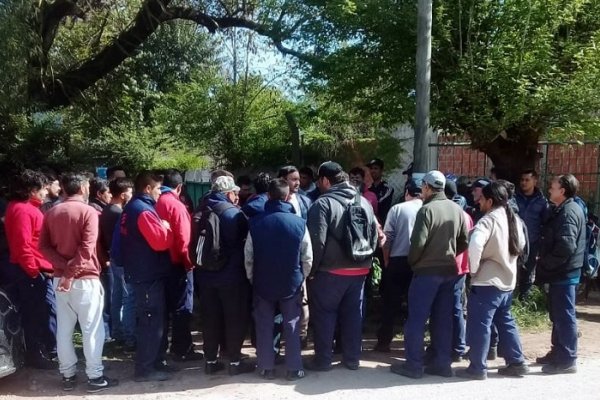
(359, 237)
(205, 243)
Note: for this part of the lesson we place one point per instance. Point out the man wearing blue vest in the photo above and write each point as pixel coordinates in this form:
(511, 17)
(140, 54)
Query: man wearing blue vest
(145, 243)
(278, 256)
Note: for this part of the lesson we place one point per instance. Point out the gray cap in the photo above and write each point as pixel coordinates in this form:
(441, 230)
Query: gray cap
(435, 179)
(225, 184)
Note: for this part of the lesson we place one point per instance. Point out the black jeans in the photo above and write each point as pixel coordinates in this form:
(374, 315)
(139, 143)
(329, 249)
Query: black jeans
(395, 281)
(225, 313)
(150, 304)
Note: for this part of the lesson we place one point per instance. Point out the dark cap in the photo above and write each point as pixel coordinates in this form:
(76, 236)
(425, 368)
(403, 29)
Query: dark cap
(481, 183)
(408, 170)
(329, 169)
(450, 189)
(413, 186)
(376, 161)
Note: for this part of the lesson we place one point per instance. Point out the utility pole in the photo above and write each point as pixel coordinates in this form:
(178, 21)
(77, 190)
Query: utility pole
(424, 22)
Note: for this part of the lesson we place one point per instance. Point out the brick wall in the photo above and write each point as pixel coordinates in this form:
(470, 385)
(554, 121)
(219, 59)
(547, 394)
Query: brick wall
(580, 160)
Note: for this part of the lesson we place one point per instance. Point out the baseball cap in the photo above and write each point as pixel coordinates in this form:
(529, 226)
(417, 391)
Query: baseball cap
(376, 161)
(329, 169)
(413, 186)
(481, 183)
(435, 179)
(225, 184)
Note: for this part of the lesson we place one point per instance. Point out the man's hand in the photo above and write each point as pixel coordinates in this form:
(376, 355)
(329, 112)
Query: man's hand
(166, 224)
(64, 284)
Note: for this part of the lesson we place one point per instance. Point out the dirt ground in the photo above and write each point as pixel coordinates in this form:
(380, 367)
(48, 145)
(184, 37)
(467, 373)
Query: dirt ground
(372, 378)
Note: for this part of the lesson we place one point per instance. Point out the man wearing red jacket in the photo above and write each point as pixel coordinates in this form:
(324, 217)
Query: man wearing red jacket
(28, 276)
(180, 283)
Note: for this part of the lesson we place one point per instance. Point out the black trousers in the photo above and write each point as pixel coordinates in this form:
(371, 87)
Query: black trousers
(179, 293)
(225, 313)
(395, 281)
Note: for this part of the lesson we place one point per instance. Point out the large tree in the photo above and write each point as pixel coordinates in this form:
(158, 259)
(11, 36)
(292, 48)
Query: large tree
(504, 73)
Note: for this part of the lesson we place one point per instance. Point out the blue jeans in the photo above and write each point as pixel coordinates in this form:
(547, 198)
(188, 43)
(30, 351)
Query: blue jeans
(458, 318)
(564, 324)
(122, 310)
(107, 279)
(150, 306)
(489, 304)
(336, 298)
(429, 296)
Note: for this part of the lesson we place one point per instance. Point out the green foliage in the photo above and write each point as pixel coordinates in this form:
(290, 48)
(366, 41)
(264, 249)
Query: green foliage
(532, 314)
(522, 68)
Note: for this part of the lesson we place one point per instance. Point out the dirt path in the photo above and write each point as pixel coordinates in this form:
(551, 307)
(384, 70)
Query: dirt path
(373, 380)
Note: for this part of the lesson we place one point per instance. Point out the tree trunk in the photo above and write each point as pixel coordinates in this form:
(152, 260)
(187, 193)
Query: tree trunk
(511, 157)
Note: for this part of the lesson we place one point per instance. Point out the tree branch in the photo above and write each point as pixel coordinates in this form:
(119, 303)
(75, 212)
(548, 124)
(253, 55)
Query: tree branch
(56, 91)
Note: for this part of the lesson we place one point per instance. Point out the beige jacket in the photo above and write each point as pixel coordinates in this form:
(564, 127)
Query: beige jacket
(490, 261)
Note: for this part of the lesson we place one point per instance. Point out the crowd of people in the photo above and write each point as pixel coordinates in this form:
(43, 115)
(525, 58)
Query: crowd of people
(125, 259)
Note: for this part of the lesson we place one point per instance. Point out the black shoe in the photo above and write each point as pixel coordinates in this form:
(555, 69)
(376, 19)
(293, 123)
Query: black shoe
(547, 359)
(211, 368)
(352, 366)
(268, 374)
(295, 375)
(279, 359)
(468, 374)
(457, 357)
(154, 376)
(445, 372)
(313, 366)
(382, 348)
(241, 368)
(554, 369)
(101, 383)
(69, 383)
(402, 369)
(519, 370)
(492, 353)
(189, 356)
(129, 349)
(165, 367)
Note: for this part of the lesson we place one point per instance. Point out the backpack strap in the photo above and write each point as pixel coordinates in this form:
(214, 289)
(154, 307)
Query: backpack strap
(220, 208)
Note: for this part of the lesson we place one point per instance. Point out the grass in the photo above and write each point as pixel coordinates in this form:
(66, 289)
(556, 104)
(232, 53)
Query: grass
(532, 314)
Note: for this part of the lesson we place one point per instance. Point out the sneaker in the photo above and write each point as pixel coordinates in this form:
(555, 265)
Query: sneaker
(546, 359)
(129, 349)
(295, 375)
(466, 373)
(154, 376)
(554, 369)
(514, 369)
(382, 348)
(313, 366)
(457, 357)
(268, 374)
(165, 367)
(189, 356)
(241, 368)
(492, 353)
(445, 372)
(101, 383)
(214, 367)
(69, 383)
(351, 366)
(402, 369)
